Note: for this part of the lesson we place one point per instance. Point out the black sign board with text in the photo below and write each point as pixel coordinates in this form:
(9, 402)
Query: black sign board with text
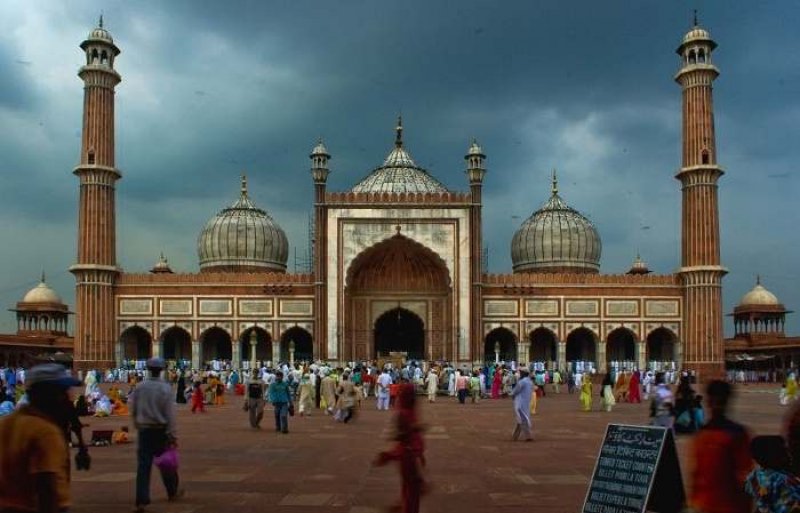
(637, 471)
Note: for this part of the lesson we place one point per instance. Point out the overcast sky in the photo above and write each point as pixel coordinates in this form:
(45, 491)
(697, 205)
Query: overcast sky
(212, 89)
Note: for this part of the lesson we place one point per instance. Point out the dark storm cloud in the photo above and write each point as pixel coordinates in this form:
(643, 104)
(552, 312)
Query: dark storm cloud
(214, 89)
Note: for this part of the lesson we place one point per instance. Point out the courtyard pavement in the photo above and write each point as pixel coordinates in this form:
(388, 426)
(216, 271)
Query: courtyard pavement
(322, 465)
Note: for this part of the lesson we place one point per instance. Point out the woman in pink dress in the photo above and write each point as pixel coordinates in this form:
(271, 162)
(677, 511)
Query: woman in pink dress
(497, 383)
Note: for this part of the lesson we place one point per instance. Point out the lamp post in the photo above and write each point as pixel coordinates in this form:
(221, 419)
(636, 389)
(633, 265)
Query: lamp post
(497, 352)
(291, 353)
(253, 343)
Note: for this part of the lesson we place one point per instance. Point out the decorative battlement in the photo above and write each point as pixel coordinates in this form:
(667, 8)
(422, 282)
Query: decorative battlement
(406, 198)
(539, 279)
(140, 279)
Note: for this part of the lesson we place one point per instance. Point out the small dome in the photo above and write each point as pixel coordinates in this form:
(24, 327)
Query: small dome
(42, 293)
(759, 296)
(320, 149)
(475, 148)
(639, 266)
(556, 238)
(399, 173)
(242, 238)
(162, 266)
(100, 33)
(696, 34)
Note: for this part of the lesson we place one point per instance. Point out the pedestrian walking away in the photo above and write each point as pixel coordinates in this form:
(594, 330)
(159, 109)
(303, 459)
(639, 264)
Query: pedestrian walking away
(153, 414)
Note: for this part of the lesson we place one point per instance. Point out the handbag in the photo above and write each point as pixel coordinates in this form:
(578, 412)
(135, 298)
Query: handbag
(246, 406)
(167, 461)
(291, 408)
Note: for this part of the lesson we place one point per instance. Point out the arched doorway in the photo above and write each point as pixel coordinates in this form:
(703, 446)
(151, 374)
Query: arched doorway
(177, 344)
(400, 331)
(136, 344)
(621, 349)
(397, 286)
(303, 346)
(661, 344)
(581, 350)
(502, 339)
(263, 346)
(216, 345)
(543, 348)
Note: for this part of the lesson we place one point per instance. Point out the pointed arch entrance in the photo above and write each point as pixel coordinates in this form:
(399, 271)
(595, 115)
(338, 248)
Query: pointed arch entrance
(500, 343)
(544, 348)
(177, 345)
(303, 345)
(581, 350)
(263, 346)
(400, 331)
(621, 349)
(398, 276)
(136, 344)
(215, 344)
(661, 349)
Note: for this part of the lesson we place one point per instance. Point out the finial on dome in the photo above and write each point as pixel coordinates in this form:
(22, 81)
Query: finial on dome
(42, 280)
(554, 188)
(244, 185)
(398, 141)
(758, 279)
(100, 23)
(695, 17)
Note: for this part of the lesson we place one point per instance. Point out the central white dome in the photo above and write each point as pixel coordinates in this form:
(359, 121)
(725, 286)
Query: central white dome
(399, 173)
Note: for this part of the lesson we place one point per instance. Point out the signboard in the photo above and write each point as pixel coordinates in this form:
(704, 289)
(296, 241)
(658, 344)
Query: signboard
(637, 471)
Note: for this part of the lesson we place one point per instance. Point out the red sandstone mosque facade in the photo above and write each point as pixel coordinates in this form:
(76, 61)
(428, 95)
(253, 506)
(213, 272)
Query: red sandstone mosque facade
(397, 266)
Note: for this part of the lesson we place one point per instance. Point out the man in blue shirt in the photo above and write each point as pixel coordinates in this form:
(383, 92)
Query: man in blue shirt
(279, 397)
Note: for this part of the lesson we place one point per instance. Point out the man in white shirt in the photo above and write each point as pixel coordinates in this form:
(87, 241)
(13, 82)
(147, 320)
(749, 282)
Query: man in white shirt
(384, 380)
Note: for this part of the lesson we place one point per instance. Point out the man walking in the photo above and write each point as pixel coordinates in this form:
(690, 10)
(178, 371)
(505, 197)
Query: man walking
(254, 402)
(153, 414)
(34, 459)
(522, 406)
(279, 397)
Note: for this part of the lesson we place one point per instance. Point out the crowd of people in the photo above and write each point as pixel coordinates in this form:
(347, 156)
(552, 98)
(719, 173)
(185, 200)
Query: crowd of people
(730, 471)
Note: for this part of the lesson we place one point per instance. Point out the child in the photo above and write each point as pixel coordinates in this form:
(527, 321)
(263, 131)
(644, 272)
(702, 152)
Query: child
(197, 399)
(772, 486)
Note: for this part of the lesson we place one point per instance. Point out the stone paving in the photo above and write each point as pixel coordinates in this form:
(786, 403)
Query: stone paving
(325, 466)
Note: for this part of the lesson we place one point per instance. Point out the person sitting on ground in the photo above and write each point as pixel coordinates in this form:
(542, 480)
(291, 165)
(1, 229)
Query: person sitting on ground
(119, 408)
(121, 437)
(772, 485)
(6, 406)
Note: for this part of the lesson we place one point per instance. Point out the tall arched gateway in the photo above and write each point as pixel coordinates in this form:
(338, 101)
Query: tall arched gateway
(397, 299)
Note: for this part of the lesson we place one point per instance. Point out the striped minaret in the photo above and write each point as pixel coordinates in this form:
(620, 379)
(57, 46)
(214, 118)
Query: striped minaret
(96, 269)
(700, 261)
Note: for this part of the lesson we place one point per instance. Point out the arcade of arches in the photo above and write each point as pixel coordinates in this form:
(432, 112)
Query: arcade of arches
(398, 299)
(215, 343)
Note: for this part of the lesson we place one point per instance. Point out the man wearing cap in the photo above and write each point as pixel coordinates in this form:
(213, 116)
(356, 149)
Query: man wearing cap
(153, 413)
(34, 460)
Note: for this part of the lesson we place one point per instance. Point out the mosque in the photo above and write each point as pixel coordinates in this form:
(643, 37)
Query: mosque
(397, 265)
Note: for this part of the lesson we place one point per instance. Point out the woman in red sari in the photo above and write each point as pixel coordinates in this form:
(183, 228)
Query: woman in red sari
(497, 383)
(633, 388)
(409, 450)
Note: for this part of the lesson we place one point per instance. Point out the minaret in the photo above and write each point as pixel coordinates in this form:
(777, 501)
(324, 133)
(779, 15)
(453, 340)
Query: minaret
(319, 173)
(96, 269)
(476, 171)
(700, 263)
